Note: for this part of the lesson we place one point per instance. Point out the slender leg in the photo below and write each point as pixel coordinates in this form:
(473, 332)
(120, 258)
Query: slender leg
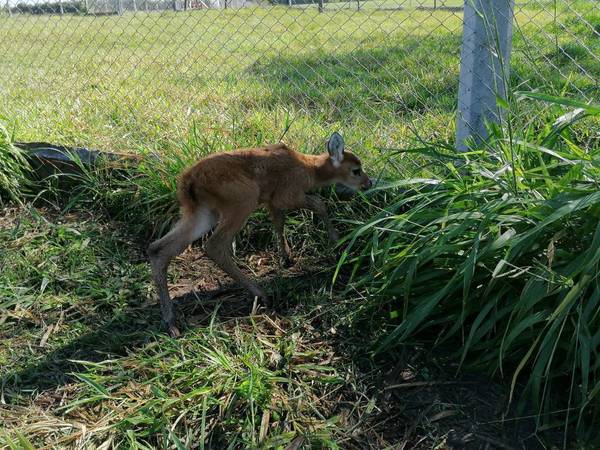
(218, 246)
(316, 205)
(162, 251)
(278, 218)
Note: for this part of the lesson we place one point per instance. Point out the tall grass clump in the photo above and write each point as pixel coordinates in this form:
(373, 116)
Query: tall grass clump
(492, 255)
(14, 169)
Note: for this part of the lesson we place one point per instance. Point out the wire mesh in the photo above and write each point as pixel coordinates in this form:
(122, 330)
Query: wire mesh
(131, 74)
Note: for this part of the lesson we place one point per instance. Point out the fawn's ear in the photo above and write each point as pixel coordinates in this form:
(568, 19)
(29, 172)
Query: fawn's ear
(335, 147)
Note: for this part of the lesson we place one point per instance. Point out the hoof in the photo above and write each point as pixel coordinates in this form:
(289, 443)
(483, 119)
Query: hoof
(267, 302)
(174, 331)
(287, 262)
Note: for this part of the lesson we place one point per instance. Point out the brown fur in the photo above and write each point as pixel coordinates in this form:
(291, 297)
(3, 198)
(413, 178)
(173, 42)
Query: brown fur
(223, 189)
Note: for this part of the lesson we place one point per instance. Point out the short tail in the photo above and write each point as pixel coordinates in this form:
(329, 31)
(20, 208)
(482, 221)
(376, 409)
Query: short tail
(187, 193)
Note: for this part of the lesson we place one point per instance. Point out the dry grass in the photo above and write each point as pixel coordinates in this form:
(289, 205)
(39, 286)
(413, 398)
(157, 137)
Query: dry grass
(83, 368)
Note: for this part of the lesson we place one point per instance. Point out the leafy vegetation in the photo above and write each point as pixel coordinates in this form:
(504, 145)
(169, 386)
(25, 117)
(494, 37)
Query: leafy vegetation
(14, 169)
(495, 253)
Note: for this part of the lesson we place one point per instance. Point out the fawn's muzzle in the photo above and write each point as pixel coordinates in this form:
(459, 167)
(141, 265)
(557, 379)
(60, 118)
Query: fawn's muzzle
(367, 184)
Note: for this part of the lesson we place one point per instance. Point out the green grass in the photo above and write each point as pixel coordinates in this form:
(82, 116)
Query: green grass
(137, 82)
(82, 343)
(497, 261)
(78, 324)
(14, 170)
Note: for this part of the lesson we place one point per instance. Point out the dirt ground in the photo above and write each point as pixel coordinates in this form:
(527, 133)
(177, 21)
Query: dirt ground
(413, 402)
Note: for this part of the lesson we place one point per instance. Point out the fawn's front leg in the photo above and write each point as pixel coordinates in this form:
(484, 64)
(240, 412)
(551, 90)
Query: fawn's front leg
(316, 205)
(278, 219)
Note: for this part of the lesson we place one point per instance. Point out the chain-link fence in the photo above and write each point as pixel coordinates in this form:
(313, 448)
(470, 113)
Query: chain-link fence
(126, 74)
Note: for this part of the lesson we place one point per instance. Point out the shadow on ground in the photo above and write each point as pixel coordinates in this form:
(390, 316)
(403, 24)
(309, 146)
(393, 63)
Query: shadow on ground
(412, 77)
(135, 327)
(413, 398)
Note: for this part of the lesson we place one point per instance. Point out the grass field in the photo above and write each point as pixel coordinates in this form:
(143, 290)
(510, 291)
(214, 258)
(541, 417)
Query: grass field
(136, 82)
(84, 361)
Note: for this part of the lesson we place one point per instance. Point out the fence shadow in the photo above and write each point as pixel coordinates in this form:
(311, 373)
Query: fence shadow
(405, 80)
(368, 83)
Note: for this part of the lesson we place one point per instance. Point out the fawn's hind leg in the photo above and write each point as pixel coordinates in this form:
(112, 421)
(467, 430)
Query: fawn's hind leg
(190, 227)
(218, 246)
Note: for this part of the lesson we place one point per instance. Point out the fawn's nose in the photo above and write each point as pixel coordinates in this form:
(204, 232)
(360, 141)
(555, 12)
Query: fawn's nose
(367, 184)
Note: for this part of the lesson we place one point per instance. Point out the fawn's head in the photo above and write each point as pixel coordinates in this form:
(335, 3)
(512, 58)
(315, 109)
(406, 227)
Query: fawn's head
(347, 168)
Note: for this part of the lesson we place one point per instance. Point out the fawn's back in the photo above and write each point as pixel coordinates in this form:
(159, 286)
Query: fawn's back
(273, 175)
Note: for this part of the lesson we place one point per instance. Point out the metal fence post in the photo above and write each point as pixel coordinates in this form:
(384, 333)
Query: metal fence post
(484, 66)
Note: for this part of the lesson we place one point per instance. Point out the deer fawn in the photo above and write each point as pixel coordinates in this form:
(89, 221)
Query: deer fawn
(222, 190)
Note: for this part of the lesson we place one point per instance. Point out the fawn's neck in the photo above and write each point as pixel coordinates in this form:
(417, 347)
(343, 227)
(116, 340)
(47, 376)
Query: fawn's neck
(322, 171)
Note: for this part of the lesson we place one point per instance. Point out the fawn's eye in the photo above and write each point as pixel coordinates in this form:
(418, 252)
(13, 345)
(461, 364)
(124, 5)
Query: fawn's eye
(356, 172)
